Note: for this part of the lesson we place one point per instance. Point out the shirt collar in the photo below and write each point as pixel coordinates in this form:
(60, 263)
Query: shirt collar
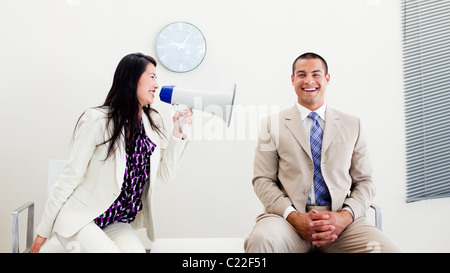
(304, 112)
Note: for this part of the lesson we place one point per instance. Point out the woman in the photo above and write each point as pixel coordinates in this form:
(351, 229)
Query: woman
(119, 149)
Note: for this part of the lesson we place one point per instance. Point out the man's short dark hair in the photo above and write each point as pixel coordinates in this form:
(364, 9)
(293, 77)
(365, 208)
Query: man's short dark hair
(309, 56)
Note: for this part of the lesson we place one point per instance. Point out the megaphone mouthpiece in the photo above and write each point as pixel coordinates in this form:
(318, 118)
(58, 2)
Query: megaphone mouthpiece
(166, 94)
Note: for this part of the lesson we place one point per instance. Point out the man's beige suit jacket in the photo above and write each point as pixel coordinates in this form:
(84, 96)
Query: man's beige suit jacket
(283, 165)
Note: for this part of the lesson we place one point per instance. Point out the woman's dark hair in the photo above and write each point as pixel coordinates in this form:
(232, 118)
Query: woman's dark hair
(123, 102)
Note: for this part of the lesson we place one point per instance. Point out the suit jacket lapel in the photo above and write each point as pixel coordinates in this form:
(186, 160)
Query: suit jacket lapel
(332, 125)
(294, 123)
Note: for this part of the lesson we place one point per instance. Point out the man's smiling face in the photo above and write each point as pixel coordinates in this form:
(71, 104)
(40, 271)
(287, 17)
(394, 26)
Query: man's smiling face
(310, 82)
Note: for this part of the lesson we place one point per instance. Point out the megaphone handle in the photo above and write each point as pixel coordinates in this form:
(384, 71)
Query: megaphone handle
(185, 128)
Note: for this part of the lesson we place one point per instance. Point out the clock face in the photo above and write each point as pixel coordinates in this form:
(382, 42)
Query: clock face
(180, 47)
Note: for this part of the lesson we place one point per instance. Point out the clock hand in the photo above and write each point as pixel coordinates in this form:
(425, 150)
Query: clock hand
(182, 44)
(178, 45)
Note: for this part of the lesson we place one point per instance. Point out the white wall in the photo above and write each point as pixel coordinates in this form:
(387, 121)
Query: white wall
(58, 58)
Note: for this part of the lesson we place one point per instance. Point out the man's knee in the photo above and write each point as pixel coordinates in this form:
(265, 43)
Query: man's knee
(273, 234)
(255, 243)
(260, 241)
(362, 237)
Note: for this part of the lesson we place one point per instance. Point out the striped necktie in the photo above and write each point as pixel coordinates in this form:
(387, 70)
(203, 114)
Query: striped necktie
(323, 197)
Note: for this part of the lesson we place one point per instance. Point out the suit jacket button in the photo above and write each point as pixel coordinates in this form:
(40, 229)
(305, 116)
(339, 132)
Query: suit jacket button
(310, 166)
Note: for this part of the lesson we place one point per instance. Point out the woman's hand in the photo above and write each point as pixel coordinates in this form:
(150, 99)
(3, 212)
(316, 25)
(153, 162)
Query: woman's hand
(176, 132)
(37, 243)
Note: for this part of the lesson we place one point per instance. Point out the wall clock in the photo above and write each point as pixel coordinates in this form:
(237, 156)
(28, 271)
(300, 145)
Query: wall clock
(180, 47)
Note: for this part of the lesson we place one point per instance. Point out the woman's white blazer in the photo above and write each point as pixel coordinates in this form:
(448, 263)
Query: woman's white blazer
(89, 184)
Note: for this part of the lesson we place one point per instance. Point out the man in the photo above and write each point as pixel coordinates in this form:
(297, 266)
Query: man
(312, 173)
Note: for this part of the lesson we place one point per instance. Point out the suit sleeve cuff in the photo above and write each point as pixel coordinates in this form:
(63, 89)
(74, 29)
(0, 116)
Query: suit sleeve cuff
(348, 208)
(288, 210)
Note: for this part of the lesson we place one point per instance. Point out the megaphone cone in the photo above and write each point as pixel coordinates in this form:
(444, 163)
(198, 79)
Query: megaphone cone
(207, 101)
